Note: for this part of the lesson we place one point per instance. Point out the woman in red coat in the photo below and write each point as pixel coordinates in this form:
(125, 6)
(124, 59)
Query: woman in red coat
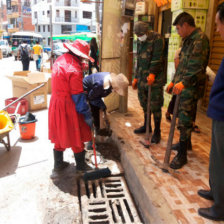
(69, 114)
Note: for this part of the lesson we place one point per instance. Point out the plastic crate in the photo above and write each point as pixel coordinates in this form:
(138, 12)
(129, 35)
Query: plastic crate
(22, 109)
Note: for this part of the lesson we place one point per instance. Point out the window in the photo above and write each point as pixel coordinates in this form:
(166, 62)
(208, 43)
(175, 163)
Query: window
(66, 28)
(35, 15)
(57, 13)
(35, 2)
(86, 15)
(76, 14)
(38, 28)
(67, 16)
(48, 13)
(43, 28)
(43, 13)
(67, 3)
(48, 28)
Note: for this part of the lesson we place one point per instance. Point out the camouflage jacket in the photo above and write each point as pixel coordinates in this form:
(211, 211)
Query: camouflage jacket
(194, 56)
(150, 59)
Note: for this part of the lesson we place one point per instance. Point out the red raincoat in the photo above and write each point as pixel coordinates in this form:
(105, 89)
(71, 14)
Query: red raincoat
(67, 128)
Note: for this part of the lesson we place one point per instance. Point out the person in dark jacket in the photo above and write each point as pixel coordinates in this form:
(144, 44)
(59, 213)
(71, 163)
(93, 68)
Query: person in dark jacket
(100, 85)
(24, 53)
(216, 161)
(94, 55)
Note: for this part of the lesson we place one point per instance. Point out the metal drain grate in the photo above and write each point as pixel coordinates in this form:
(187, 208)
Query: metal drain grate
(107, 201)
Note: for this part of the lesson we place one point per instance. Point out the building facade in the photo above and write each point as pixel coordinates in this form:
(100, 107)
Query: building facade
(68, 16)
(19, 17)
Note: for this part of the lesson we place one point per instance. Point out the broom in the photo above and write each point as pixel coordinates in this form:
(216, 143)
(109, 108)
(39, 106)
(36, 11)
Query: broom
(97, 173)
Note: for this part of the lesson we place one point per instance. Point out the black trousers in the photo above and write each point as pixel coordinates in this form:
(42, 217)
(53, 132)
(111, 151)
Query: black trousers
(26, 64)
(216, 167)
(96, 116)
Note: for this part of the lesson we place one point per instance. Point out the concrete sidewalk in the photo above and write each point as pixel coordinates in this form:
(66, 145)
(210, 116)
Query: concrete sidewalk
(162, 197)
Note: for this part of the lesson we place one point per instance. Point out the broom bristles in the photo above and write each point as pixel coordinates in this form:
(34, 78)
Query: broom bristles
(97, 174)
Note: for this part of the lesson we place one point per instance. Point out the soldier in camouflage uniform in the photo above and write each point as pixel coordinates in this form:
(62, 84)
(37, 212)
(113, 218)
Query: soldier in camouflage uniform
(149, 71)
(189, 80)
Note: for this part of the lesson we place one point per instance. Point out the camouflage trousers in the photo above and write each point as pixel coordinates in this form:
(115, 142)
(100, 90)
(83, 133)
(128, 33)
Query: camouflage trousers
(156, 100)
(187, 112)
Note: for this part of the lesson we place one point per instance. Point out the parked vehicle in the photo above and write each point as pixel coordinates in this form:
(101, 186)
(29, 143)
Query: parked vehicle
(58, 49)
(5, 48)
(18, 37)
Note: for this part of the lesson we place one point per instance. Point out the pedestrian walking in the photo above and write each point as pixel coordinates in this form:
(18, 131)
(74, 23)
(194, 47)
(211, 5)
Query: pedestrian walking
(216, 160)
(149, 72)
(24, 54)
(37, 54)
(189, 80)
(70, 120)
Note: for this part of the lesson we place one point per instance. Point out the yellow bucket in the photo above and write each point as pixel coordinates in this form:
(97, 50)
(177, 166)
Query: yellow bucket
(6, 124)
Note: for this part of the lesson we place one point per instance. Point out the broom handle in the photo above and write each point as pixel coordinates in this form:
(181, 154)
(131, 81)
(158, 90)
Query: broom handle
(94, 148)
(171, 134)
(21, 97)
(148, 114)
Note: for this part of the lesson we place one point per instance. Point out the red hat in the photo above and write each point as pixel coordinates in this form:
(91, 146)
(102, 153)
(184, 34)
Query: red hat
(80, 48)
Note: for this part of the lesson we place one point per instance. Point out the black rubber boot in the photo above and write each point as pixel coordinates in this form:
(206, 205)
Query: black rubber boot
(156, 135)
(142, 129)
(80, 162)
(59, 164)
(181, 158)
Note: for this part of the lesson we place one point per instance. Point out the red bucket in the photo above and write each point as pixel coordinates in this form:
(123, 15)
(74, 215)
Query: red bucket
(27, 131)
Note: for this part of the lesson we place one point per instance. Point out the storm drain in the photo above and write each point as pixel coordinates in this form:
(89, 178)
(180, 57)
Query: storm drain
(107, 201)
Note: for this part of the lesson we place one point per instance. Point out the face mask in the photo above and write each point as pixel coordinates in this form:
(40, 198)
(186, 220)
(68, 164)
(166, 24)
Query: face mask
(143, 38)
(85, 65)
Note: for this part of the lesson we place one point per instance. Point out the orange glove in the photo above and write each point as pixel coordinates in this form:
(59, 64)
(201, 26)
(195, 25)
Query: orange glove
(177, 89)
(134, 83)
(169, 87)
(151, 79)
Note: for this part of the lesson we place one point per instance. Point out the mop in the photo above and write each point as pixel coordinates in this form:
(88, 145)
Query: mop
(97, 173)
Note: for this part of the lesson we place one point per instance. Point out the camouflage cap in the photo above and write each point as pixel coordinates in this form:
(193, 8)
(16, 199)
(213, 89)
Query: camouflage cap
(140, 28)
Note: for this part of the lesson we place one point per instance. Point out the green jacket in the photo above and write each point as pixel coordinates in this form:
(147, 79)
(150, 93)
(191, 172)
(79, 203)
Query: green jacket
(150, 59)
(194, 56)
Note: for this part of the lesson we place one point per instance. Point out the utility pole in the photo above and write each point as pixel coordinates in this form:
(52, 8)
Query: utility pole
(51, 36)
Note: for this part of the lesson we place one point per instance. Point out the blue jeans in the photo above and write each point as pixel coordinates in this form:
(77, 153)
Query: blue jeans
(216, 167)
(38, 62)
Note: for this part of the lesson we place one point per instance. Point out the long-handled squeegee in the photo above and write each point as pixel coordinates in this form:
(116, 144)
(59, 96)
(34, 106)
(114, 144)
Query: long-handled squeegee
(97, 173)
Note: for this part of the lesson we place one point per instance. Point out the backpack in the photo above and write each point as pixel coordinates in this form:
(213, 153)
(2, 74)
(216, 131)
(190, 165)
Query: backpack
(24, 53)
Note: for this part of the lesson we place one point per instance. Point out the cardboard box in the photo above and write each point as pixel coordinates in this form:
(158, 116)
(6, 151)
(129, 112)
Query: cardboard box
(48, 72)
(21, 73)
(22, 84)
